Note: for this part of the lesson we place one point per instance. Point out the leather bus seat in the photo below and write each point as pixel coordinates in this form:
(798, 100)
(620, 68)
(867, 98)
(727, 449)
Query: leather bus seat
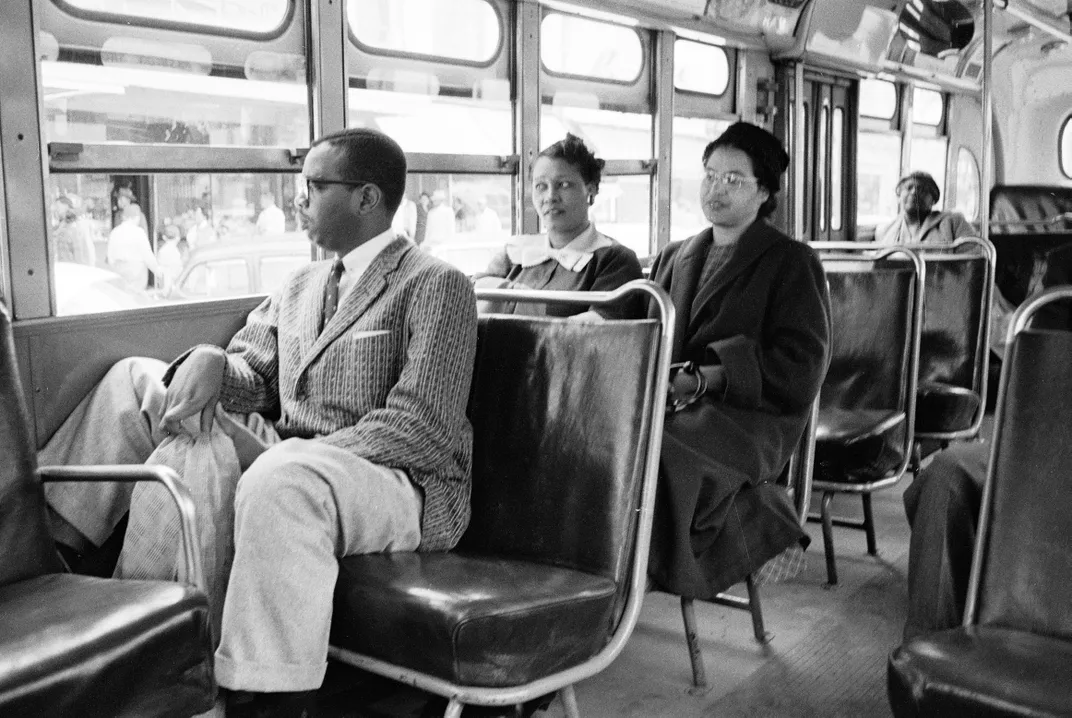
(77, 645)
(1013, 654)
(867, 401)
(954, 351)
(1027, 223)
(562, 416)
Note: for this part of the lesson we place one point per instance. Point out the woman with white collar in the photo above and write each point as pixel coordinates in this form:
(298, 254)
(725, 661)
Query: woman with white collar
(572, 255)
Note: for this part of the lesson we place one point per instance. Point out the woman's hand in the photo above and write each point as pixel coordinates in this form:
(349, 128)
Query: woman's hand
(683, 386)
(195, 389)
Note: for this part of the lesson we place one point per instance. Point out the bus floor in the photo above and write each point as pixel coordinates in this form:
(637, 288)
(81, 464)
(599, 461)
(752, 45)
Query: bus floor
(826, 657)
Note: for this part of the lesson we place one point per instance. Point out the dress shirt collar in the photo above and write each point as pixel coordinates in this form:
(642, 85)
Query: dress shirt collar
(360, 258)
(528, 250)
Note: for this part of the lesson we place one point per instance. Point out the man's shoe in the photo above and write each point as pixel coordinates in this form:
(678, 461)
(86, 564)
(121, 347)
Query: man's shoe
(245, 704)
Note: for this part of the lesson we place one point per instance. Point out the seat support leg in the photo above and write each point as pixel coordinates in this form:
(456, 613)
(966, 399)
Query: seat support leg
(454, 709)
(699, 675)
(756, 609)
(828, 538)
(569, 702)
(869, 525)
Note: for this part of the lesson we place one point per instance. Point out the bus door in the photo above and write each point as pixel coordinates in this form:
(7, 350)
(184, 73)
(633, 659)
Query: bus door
(830, 158)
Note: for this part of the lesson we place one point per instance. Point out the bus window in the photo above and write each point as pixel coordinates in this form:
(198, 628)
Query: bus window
(837, 139)
(118, 83)
(432, 74)
(466, 30)
(102, 226)
(462, 219)
(1064, 154)
(571, 45)
(700, 68)
(967, 189)
(878, 99)
(622, 210)
(928, 107)
(258, 18)
(929, 154)
(879, 160)
(691, 136)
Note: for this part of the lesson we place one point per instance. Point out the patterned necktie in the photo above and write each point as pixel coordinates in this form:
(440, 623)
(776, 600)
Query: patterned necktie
(331, 292)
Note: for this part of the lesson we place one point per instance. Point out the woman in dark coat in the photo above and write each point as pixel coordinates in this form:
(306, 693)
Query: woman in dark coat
(753, 316)
(572, 255)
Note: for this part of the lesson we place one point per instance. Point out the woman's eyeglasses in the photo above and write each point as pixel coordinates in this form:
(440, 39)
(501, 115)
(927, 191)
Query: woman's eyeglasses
(728, 180)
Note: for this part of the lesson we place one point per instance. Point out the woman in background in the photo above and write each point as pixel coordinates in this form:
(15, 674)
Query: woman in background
(572, 255)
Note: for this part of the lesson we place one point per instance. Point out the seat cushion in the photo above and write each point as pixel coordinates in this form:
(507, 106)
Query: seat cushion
(80, 646)
(942, 408)
(858, 445)
(981, 671)
(472, 620)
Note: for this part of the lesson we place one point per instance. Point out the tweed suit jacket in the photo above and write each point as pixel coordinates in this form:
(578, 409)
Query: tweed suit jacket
(388, 378)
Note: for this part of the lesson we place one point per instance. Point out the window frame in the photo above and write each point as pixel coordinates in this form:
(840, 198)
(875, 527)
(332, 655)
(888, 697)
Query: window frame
(1064, 142)
(124, 19)
(435, 59)
(730, 68)
(645, 51)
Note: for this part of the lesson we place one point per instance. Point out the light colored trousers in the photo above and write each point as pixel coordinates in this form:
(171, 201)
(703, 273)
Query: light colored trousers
(299, 506)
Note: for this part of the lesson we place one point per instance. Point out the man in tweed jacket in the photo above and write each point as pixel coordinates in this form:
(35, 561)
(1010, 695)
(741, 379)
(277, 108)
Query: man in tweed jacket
(369, 448)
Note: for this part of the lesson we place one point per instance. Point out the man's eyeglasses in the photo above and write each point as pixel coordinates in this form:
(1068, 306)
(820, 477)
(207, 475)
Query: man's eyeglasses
(304, 184)
(728, 180)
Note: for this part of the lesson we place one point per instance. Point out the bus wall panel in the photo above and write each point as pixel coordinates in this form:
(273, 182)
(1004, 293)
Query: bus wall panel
(65, 358)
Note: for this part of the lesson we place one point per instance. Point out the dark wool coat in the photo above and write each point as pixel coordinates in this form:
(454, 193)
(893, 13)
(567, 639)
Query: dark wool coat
(764, 315)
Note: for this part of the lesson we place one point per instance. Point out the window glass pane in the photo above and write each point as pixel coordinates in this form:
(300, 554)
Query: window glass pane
(879, 160)
(822, 171)
(125, 241)
(95, 103)
(223, 278)
(700, 68)
(691, 136)
(878, 98)
(928, 154)
(927, 107)
(622, 210)
(431, 107)
(466, 30)
(571, 45)
(440, 125)
(1065, 153)
(462, 219)
(258, 16)
(609, 134)
(967, 184)
(836, 168)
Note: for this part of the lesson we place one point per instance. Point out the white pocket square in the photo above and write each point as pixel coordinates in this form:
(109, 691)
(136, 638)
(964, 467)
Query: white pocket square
(368, 334)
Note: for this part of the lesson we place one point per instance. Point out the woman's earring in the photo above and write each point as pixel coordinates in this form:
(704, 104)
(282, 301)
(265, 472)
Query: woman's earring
(591, 199)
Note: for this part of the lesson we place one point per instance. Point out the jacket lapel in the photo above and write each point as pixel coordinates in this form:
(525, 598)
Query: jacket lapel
(752, 244)
(370, 286)
(684, 278)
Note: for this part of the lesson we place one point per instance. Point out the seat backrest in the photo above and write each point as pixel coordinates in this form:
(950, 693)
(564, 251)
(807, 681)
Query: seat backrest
(1022, 576)
(955, 318)
(873, 315)
(1029, 209)
(560, 412)
(26, 548)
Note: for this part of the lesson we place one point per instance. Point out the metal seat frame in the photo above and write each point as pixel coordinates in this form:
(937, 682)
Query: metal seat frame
(562, 681)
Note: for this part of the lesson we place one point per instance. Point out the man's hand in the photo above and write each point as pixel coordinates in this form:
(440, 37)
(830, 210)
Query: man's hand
(195, 389)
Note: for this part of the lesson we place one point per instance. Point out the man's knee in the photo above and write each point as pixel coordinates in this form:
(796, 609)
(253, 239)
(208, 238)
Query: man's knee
(276, 480)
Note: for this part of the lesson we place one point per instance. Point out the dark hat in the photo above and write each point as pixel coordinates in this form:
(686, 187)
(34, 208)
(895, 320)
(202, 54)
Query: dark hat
(925, 179)
(767, 153)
